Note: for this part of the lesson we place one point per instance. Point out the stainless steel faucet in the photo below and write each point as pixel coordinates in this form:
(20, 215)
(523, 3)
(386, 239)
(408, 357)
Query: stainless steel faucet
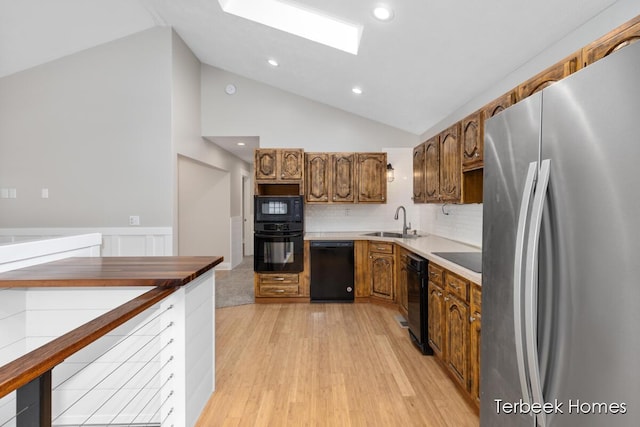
(405, 227)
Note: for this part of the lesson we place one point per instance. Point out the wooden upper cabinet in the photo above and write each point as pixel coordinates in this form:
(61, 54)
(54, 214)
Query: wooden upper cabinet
(432, 170)
(622, 36)
(472, 142)
(418, 174)
(372, 177)
(279, 164)
(498, 105)
(450, 172)
(265, 164)
(343, 177)
(556, 72)
(334, 178)
(291, 164)
(318, 181)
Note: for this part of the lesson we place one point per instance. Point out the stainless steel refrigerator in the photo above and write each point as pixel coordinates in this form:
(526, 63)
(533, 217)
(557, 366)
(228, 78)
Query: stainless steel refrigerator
(561, 253)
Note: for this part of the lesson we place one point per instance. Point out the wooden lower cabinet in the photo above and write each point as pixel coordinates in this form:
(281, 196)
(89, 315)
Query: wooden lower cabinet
(474, 342)
(402, 297)
(454, 327)
(276, 285)
(457, 338)
(436, 328)
(382, 269)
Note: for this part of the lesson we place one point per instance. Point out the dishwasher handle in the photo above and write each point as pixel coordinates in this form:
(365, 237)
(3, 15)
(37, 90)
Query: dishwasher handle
(331, 244)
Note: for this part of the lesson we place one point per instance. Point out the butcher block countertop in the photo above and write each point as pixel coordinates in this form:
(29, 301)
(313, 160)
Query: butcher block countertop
(166, 271)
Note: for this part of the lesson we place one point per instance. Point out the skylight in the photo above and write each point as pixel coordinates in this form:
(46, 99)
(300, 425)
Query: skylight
(299, 20)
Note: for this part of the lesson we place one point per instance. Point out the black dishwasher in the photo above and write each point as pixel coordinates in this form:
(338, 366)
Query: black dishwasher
(416, 270)
(332, 266)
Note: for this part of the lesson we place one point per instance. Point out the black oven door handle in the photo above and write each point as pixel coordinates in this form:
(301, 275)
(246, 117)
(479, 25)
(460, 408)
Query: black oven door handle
(270, 236)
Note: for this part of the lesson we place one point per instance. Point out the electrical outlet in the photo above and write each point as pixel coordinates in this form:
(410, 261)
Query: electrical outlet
(134, 220)
(44, 193)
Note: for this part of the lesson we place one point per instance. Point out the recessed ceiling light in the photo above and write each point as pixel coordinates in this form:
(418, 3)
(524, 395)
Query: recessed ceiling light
(240, 144)
(273, 62)
(383, 13)
(357, 90)
(302, 21)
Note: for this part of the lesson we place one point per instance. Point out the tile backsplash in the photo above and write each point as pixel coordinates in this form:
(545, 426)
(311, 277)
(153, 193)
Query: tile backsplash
(456, 222)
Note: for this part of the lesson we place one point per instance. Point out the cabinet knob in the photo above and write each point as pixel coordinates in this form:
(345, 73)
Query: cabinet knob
(382, 197)
(472, 319)
(279, 290)
(278, 278)
(477, 155)
(447, 298)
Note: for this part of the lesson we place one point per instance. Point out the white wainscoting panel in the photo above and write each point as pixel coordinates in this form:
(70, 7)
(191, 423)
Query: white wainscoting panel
(116, 241)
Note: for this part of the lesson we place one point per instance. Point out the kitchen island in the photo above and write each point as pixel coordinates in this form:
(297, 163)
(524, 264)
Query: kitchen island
(65, 305)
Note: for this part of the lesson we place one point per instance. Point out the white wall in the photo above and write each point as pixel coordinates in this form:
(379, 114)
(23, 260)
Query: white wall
(464, 222)
(93, 128)
(203, 200)
(282, 119)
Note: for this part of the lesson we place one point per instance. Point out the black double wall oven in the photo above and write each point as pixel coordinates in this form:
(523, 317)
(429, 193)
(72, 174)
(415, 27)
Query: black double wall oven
(278, 234)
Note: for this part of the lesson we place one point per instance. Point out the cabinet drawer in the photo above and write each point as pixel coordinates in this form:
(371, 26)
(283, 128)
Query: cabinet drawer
(457, 286)
(381, 247)
(435, 274)
(273, 290)
(476, 298)
(278, 279)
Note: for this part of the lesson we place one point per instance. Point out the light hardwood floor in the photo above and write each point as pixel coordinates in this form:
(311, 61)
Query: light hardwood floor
(326, 365)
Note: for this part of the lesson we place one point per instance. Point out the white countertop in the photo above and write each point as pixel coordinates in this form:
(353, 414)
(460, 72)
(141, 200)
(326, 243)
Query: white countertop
(423, 245)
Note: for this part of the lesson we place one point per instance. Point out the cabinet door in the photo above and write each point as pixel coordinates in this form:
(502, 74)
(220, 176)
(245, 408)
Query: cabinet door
(457, 339)
(432, 170)
(473, 142)
(474, 355)
(450, 172)
(498, 105)
(402, 297)
(343, 177)
(418, 174)
(372, 177)
(381, 270)
(622, 36)
(291, 164)
(556, 72)
(317, 182)
(436, 330)
(266, 161)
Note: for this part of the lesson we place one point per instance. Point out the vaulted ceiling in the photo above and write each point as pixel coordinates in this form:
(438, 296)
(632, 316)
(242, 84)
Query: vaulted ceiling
(430, 59)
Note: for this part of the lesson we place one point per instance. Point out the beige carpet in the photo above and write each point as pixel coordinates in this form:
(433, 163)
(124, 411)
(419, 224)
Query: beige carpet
(235, 287)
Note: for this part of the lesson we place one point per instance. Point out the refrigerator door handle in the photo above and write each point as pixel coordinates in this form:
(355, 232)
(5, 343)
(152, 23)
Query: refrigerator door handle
(527, 195)
(531, 288)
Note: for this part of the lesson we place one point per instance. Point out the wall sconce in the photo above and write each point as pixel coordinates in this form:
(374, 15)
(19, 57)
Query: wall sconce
(390, 176)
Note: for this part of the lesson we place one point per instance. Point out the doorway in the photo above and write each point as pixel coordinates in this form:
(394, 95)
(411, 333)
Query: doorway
(204, 200)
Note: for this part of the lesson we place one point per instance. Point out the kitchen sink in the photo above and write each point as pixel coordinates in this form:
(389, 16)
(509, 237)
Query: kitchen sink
(391, 234)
